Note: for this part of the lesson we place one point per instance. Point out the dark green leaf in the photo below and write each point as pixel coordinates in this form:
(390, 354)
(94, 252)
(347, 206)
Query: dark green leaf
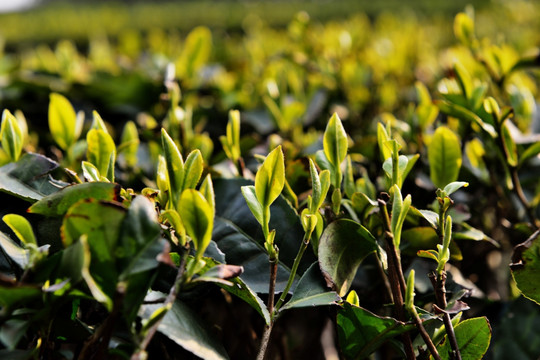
(462, 113)
(18, 295)
(311, 291)
(240, 289)
(342, 247)
(240, 237)
(28, 178)
(184, 327)
(361, 332)
(473, 337)
(58, 203)
(526, 267)
(15, 253)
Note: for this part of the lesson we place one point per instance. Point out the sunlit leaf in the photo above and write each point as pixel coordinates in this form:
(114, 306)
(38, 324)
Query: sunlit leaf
(473, 337)
(335, 141)
(101, 152)
(270, 178)
(12, 136)
(64, 125)
(444, 155)
(21, 227)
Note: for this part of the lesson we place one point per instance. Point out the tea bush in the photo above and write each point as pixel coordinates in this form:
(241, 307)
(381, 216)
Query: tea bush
(371, 191)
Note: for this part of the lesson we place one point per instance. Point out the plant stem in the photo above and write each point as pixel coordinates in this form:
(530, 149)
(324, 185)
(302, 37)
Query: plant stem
(294, 269)
(395, 273)
(425, 335)
(439, 284)
(171, 298)
(270, 305)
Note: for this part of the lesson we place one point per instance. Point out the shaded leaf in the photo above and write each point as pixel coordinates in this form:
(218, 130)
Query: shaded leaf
(342, 247)
(311, 291)
(13, 251)
(184, 327)
(58, 203)
(361, 332)
(240, 289)
(525, 267)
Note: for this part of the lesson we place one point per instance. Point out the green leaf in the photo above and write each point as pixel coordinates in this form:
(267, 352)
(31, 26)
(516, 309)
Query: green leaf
(207, 189)
(58, 203)
(231, 142)
(183, 326)
(253, 203)
(464, 80)
(14, 252)
(464, 28)
(454, 186)
(175, 164)
(444, 154)
(64, 126)
(400, 208)
(239, 236)
(240, 289)
(21, 227)
(382, 138)
(101, 152)
(196, 52)
(193, 169)
(27, 178)
(509, 144)
(93, 286)
(342, 247)
(473, 337)
(349, 184)
(311, 291)
(525, 267)
(270, 178)
(18, 296)
(198, 218)
(425, 238)
(531, 151)
(90, 172)
(129, 144)
(361, 332)
(12, 136)
(98, 122)
(335, 141)
(463, 113)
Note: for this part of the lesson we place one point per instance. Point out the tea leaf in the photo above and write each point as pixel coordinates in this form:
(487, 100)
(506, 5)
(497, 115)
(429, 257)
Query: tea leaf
(270, 178)
(198, 219)
(21, 227)
(400, 208)
(240, 289)
(12, 136)
(473, 337)
(253, 203)
(335, 141)
(90, 172)
(311, 291)
(444, 155)
(175, 164)
(129, 143)
(342, 247)
(464, 28)
(526, 267)
(101, 152)
(193, 169)
(64, 125)
(509, 144)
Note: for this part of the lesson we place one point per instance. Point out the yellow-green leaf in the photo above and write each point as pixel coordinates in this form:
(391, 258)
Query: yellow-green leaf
(193, 169)
(101, 152)
(175, 163)
(12, 136)
(198, 219)
(509, 144)
(21, 227)
(335, 141)
(270, 178)
(444, 154)
(64, 125)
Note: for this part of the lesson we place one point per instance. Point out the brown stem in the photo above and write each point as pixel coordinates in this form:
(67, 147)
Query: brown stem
(439, 284)
(425, 336)
(395, 274)
(97, 345)
(268, 328)
(171, 298)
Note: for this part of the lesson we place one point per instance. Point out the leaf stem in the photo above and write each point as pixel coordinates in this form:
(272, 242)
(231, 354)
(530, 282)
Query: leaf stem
(439, 284)
(397, 281)
(425, 335)
(270, 305)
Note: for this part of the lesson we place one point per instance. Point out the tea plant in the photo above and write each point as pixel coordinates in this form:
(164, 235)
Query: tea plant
(95, 268)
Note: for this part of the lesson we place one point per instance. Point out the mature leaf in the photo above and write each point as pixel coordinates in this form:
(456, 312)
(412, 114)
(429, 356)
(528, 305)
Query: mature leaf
(28, 178)
(63, 123)
(311, 291)
(58, 203)
(531, 151)
(12, 136)
(454, 186)
(240, 237)
(19, 295)
(184, 327)
(21, 227)
(197, 217)
(342, 247)
(270, 178)
(444, 155)
(13, 251)
(240, 289)
(473, 337)
(361, 332)
(101, 152)
(462, 113)
(335, 141)
(526, 267)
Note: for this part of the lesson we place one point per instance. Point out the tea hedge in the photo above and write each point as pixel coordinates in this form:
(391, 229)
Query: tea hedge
(361, 194)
